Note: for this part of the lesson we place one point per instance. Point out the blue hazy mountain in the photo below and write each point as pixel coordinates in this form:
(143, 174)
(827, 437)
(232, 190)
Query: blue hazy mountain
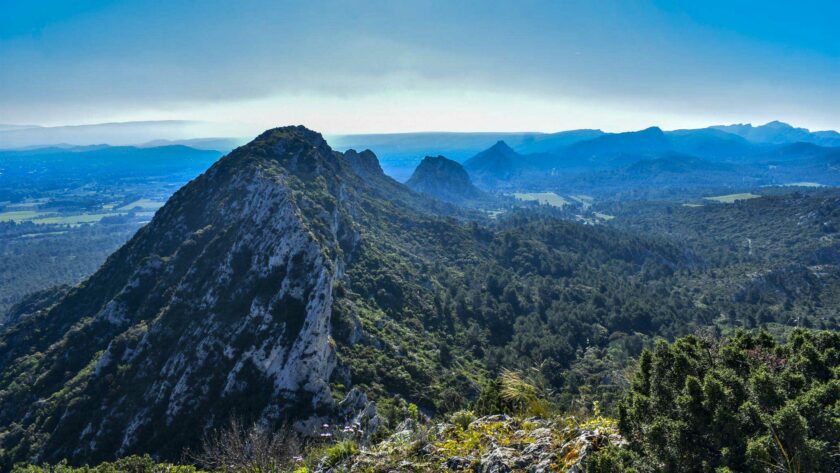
(497, 163)
(777, 132)
(400, 153)
(652, 159)
(103, 161)
(444, 179)
(115, 134)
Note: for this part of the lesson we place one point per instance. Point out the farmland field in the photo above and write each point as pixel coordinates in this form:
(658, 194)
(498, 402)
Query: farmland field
(546, 198)
(730, 198)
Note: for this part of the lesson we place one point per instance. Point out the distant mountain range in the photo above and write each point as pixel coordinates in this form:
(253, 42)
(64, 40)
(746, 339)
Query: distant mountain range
(780, 132)
(507, 160)
(652, 158)
(401, 152)
(133, 133)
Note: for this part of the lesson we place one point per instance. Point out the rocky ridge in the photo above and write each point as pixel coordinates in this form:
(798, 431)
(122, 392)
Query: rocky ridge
(490, 444)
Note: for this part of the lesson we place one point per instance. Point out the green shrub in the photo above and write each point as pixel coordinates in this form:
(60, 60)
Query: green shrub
(526, 394)
(341, 451)
(413, 412)
(462, 418)
(746, 403)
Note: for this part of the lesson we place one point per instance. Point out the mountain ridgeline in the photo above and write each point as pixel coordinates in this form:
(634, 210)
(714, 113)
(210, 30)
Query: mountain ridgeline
(668, 164)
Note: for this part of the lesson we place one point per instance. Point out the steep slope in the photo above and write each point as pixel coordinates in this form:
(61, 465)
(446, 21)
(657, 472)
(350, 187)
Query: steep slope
(497, 163)
(444, 179)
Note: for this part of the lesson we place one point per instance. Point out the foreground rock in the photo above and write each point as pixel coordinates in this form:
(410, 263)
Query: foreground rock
(491, 444)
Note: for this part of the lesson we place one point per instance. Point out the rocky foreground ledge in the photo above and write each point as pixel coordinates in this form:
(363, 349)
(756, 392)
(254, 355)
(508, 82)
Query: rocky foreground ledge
(491, 444)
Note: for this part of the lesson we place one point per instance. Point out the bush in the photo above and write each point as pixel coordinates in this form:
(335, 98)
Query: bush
(339, 452)
(255, 449)
(462, 418)
(525, 393)
(743, 404)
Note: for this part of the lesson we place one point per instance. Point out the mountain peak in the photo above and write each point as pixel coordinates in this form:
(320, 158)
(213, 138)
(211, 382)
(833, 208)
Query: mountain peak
(501, 146)
(776, 124)
(497, 162)
(365, 164)
(292, 133)
(654, 130)
(297, 149)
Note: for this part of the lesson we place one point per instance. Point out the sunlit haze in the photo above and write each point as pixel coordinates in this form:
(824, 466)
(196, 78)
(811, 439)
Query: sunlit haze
(350, 67)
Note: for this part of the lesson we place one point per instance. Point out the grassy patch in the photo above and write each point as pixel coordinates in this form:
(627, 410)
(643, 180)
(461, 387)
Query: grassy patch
(546, 198)
(730, 198)
(73, 219)
(145, 204)
(22, 215)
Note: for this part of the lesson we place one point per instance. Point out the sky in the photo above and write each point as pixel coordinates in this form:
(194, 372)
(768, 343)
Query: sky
(240, 66)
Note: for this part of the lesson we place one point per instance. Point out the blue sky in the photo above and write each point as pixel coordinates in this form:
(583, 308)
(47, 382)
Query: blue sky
(407, 66)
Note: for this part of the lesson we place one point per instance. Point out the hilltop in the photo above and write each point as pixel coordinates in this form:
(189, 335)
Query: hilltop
(444, 179)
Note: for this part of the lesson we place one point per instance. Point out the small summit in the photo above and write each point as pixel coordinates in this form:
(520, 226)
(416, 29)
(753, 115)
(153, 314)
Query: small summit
(365, 164)
(443, 179)
(497, 163)
(290, 137)
(290, 150)
(501, 146)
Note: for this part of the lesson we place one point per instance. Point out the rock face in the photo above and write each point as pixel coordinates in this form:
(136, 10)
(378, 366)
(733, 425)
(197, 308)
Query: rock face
(444, 179)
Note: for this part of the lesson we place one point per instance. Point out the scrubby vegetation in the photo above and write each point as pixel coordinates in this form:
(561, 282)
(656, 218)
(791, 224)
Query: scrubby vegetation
(131, 464)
